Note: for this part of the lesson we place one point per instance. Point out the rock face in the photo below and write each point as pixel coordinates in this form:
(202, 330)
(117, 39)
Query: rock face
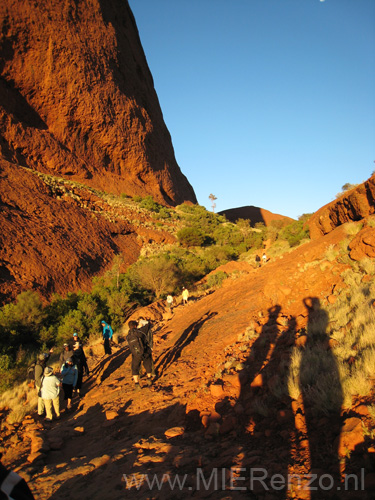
(77, 99)
(77, 103)
(55, 241)
(255, 215)
(354, 205)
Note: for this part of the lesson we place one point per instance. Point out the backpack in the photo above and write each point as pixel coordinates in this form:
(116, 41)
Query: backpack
(147, 336)
(30, 375)
(135, 343)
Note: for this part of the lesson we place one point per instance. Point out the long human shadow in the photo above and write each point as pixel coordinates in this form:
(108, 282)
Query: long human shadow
(106, 366)
(322, 395)
(269, 422)
(165, 360)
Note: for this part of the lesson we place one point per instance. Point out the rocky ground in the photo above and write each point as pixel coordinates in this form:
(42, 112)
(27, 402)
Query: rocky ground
(200, 431)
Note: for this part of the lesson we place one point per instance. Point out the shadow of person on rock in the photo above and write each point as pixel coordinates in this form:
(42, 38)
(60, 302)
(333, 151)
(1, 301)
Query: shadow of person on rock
(322, 397)
(260, 349)
(267, 404)
(171, 355)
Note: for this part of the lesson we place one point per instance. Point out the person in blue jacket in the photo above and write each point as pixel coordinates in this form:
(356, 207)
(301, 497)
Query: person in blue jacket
(107, 335)
(69, 372)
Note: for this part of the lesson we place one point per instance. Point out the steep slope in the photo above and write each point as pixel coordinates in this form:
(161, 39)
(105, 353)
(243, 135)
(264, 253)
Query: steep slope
(254, 214)
(353, 205)
(55, 237)
(196, 421)
(77, 99)
(77, 102)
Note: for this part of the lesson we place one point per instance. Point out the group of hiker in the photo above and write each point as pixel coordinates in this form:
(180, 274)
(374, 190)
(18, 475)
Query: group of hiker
(73, 365)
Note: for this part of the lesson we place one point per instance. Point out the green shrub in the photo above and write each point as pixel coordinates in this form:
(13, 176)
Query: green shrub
(150, 204)
(294, 233)
(191, 237)
(216, 279)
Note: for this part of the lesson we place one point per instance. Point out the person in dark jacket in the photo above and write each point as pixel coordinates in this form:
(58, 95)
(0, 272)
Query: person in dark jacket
(107, 335)
(79, 359)
(69, 373)
(13, 486)
(66, 354)
(141, 352)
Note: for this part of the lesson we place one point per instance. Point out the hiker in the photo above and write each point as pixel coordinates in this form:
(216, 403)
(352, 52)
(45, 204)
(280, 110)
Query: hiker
(67, 353)
(141, 352)
(13, 486)
(107, 335)
(185, 295)
(38, 377)
(144, 325)
(169, 302)
(75, 338)
(264, 258)
(50, 391)
(69, 373)
(80, 361)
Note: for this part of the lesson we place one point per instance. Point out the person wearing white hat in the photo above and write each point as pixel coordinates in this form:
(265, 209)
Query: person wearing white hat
(50, 391)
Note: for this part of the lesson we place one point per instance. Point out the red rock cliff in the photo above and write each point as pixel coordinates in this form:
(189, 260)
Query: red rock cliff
(77, 99)
(353, 205)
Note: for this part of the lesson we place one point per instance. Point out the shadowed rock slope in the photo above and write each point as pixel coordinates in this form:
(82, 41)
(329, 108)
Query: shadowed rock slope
(254, 214)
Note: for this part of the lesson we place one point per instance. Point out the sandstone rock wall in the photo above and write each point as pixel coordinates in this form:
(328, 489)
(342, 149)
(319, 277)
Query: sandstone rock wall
(352, 206)
(77, 98)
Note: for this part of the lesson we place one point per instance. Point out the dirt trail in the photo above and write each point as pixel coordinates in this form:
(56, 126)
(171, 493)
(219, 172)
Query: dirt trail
(217, 359)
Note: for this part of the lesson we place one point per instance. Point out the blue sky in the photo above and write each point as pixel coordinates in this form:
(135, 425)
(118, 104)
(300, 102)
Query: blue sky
(269, 103)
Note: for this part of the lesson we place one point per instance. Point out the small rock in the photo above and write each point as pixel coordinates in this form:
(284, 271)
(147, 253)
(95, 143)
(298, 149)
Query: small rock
(229, 423)
(79, 430)
(362, 410)
(258, 381)
(217, 390)
(174, 431)
(301, 341)
(331, 299)
(100, 461)
(111, 414)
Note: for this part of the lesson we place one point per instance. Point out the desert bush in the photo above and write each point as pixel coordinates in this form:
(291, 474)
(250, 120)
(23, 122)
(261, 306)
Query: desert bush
(150, 204)
(191, 237)
(228, 233)
(216, 280)
(294, 233)
(160, 275)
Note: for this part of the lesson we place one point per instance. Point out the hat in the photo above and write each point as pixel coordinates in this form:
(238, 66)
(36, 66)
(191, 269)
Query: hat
(69, 360)
(48, 371)
(75, 345)
(43, 356)
(75, 334)
(66, 345)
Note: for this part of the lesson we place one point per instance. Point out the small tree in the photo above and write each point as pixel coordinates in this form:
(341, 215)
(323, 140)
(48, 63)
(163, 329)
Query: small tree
(159, 275)
(212, 197)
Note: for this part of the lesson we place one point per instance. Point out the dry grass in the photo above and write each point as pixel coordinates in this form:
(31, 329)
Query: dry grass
(352, 228)
(20, 401)
(331, 253)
